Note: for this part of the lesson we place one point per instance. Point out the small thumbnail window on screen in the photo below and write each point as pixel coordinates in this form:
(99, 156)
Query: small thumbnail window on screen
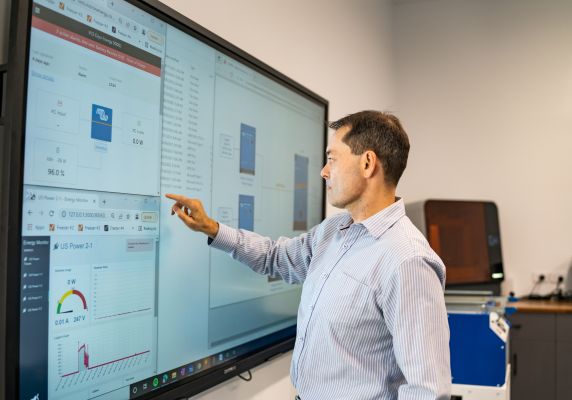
(300, 192)
(246, 212)
(247, 149)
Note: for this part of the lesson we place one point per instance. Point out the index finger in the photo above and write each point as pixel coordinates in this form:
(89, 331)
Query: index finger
(176, 197)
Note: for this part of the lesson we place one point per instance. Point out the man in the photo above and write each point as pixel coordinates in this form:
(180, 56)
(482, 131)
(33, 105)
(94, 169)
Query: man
(372, 322)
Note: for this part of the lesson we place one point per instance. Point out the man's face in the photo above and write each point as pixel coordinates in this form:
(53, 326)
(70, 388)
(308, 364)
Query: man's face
(342, 173)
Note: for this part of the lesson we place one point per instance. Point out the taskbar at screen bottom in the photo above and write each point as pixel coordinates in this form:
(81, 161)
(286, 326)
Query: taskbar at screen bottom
(193, 369)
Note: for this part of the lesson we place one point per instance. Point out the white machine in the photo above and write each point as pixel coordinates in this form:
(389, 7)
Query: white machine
(479, 346)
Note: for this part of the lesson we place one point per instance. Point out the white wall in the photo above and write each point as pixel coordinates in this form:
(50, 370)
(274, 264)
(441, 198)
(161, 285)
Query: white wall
(339, 49)
(485, 91)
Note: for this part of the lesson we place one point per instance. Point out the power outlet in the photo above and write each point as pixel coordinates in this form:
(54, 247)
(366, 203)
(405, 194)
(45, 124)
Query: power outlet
(539, 277)
(553, 277)
(549, 277)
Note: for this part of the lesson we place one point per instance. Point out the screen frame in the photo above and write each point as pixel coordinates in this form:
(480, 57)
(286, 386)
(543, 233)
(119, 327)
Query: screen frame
(11, 180)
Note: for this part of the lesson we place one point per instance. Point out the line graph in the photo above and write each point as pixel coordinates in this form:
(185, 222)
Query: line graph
(122, 289)
(83, 363)
(83, 360)
(87, 373)
(90, 357)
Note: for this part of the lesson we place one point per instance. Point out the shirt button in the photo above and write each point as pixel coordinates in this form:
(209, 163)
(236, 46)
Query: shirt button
(324, 276)
(345, 246)
(301, 338)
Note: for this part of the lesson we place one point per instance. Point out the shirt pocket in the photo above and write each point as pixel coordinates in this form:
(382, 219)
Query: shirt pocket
(351, 302)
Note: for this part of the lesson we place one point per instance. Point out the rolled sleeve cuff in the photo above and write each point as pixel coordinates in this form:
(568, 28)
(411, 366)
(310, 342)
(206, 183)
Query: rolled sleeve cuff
(226, 238)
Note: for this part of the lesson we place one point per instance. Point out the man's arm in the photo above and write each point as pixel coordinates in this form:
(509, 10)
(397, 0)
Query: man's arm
(286, 258)
(414, 308)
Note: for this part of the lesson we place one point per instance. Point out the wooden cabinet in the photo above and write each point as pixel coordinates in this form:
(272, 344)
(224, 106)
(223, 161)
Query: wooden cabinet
(533, 356)
(563, 356)
(541, 356)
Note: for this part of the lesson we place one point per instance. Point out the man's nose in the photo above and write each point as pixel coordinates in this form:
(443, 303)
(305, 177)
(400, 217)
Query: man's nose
(325, 173)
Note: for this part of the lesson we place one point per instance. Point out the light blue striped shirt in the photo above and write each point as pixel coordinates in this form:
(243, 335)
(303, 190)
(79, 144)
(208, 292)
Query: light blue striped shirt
(372, 322)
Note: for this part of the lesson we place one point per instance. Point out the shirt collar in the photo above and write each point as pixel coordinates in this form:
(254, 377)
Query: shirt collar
(378, 223)
(346, 221)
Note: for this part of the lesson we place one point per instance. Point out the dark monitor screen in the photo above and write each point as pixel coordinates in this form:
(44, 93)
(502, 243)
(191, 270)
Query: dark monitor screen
(118, 299)
(466, 235)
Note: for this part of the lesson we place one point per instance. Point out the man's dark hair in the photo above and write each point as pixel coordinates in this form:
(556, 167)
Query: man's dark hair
(382, 133)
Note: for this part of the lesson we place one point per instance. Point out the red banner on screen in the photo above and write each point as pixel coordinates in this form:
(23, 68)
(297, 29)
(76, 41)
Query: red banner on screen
(94, 46)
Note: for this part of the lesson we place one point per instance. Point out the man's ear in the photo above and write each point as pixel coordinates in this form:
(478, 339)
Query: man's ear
(368, 163)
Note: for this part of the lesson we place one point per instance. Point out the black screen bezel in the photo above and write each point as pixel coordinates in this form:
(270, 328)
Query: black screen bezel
(12, 157)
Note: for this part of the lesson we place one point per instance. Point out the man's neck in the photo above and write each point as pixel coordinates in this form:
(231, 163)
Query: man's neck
(371, 205)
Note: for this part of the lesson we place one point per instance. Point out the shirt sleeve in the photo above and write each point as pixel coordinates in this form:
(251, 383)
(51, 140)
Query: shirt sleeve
(414, 309)
(287, 258)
